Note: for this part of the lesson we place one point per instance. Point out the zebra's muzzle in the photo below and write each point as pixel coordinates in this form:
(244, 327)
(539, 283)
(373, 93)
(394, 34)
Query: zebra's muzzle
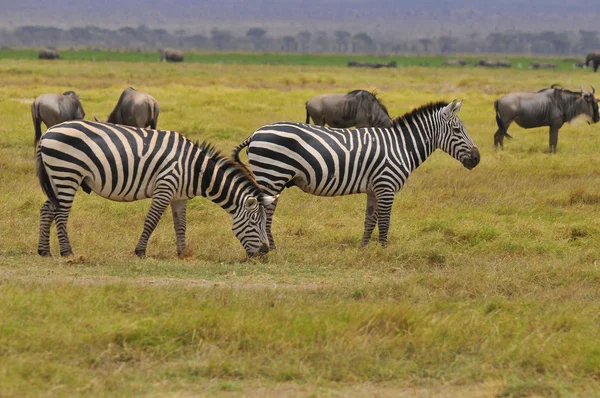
(472, 160)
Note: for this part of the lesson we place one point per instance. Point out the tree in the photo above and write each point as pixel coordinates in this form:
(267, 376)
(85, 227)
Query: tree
(257, 36)
(362, 43)
(303, 38)
(342, 40)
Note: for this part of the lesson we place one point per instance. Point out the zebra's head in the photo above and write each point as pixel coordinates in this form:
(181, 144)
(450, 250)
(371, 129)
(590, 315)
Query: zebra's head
(454, 139)
(250, 223)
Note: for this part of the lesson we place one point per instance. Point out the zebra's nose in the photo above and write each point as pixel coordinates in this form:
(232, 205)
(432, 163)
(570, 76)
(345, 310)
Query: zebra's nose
(475, 157)
(264, 249)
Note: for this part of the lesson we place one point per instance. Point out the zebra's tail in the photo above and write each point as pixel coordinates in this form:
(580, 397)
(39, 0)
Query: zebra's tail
(235, 154)
(45, 181)
(37, 124)
(307, 115)
(499, 121)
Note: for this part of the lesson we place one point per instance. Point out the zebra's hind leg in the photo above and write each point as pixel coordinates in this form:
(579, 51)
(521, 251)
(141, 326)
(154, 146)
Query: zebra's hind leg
(370, 219)
(160, 201)
(385, 200)
(61, 218)
(47, 214)
(179, 208)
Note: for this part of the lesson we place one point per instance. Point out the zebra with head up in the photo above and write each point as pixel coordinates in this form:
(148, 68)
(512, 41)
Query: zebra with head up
(376, 161)
(125, 164)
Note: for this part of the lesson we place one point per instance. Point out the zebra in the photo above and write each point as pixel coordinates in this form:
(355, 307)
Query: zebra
(377, 161)
(124, 164)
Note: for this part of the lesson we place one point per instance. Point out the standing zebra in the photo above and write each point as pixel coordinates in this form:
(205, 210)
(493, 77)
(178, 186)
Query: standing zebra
(376, 161)
(125, 164)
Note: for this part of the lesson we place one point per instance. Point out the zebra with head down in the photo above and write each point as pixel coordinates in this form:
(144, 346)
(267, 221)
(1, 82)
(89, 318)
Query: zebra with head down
(124, 164)
(376, 161)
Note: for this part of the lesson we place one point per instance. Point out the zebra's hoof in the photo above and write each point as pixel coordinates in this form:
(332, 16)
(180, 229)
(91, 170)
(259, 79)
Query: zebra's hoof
(66, 253)
(44, 253)
(140, 253)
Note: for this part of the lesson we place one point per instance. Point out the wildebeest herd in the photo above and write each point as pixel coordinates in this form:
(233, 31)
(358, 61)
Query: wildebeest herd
(122, 160)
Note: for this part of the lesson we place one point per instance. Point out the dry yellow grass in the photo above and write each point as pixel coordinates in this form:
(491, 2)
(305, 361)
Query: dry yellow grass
(489, 285)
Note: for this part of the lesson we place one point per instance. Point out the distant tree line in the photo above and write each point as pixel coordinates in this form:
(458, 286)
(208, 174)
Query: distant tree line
(257, 39)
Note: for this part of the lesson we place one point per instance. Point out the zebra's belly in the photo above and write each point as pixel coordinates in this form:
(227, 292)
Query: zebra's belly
(119, 194)
(329, 187)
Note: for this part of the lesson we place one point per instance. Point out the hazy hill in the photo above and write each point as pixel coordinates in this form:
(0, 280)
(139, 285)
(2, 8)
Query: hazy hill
(404, 17)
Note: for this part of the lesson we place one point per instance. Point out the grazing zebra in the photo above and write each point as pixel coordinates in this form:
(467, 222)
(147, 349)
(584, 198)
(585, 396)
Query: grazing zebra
(125, 164)
(376, 161)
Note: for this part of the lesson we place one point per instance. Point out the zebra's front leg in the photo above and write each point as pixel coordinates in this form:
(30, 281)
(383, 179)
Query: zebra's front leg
(385, 201)
(370, 219)
(270, 210)
(47, 214)
(160, 201)
(179, 209)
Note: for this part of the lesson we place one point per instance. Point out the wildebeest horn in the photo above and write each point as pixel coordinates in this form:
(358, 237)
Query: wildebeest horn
(593, 90)
(581, 90)
(96, 118)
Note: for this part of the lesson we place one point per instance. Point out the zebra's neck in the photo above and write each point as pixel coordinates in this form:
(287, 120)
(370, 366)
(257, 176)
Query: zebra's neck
(221, 180)
(417, 136)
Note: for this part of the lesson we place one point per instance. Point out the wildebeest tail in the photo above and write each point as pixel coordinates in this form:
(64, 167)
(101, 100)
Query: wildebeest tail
(154, 111)
(499, 121)
(307, 114)
(44, 179)
(37, 124)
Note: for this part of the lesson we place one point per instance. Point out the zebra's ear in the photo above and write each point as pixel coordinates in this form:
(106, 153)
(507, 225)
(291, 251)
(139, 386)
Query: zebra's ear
(251, 203)
(449, 108)
(266, 200)
(458, 106)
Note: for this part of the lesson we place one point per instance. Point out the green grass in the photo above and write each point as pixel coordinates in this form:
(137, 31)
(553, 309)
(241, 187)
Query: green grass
(489, 286)
(520, 62)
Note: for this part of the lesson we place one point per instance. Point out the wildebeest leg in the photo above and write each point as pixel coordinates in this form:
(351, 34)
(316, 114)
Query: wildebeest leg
(553, 138)
(370, 218)
(47, 214)
(501, 133)
(179, 208)
(385, 200)
(160, 200)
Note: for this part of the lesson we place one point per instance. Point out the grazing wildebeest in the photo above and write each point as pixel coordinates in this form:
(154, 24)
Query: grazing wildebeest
(455, 62)
(54, 109)
(171, 55)
(356, 64)
(135, 108)
(542, 65)
(48, 53)
(358, 108)
(594, 58)
(548, 107)
(501, 63)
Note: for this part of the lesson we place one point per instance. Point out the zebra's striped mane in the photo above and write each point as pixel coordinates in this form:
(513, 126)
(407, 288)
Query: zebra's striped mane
(427, 108)
(227, 162)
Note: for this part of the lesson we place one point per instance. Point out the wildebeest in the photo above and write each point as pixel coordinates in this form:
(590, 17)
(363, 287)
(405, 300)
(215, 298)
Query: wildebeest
(54, 109)
(358, 108)
(594, 58)
(455, 62)
(548, 107)
(356, 64)
(135, 108)
(490, 63)
(542, 65)
(171, 55)
(48, 53)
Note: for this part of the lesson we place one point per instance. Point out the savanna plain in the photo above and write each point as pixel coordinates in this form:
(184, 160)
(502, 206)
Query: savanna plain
(490, 285)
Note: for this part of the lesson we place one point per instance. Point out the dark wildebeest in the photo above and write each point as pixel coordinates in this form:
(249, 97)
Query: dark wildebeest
(501, 63)
(171, 55)
(356, 64)
(455, 62)
(54, 109)
(135, 108)
(48, 53)
(594, 58)
(358, 108)
(548, 107)
(542, 65)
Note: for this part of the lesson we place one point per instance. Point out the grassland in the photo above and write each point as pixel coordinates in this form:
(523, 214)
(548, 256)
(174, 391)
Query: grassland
(490, 285)
(519, 62)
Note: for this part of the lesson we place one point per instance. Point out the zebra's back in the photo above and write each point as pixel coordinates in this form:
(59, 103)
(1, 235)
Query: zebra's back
(117, 162)
(320, 160)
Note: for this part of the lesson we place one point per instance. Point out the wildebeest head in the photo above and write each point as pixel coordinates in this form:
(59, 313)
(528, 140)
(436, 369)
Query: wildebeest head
(79, 113)
(454, 139)
(589, 105)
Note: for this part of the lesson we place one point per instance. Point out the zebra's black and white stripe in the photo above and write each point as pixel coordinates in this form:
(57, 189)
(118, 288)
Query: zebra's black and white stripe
(376, 161)
(125, 164)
